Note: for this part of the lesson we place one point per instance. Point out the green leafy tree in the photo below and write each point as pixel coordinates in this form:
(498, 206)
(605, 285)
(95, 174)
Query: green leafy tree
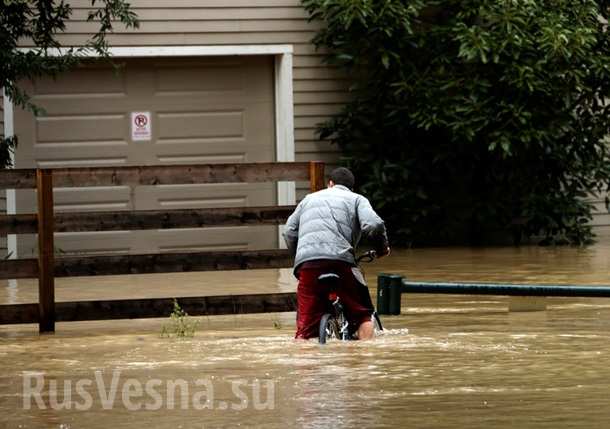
(470, 120)
(41, 23)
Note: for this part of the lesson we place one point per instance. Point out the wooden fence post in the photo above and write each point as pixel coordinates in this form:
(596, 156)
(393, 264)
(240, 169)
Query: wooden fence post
(46, 260)
(316, 176)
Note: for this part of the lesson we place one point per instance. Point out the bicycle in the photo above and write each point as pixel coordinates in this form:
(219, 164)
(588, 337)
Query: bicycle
(334, 323)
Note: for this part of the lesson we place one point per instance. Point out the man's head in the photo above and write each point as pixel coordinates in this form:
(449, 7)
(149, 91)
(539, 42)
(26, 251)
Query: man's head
(341, 176)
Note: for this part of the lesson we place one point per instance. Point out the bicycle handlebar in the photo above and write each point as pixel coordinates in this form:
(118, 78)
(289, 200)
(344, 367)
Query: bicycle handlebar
(368, 256)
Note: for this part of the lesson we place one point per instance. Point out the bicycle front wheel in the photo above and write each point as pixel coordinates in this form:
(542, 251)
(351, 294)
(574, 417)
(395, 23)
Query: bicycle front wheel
(377, 323)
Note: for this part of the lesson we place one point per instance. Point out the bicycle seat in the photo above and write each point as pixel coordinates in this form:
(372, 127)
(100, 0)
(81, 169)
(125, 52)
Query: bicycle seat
(329, 278)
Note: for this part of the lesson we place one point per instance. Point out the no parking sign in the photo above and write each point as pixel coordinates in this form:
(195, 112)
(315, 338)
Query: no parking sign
(141, 126)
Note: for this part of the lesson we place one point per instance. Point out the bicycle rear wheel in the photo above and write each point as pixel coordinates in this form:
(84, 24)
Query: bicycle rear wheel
(328, 328)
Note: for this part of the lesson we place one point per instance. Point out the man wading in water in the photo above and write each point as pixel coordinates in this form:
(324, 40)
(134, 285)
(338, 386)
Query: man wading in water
(323, 233)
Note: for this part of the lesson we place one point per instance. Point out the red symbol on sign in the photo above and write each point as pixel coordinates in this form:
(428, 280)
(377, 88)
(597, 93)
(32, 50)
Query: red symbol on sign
(140, 120)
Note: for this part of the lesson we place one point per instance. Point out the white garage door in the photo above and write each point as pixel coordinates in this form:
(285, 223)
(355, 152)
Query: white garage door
(205, 110)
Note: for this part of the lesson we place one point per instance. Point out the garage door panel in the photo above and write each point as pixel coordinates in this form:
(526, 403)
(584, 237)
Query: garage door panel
(262, 89)
(108, 198)
(203, 239)
(201, 159)
(79, 199)
(222, 102)
(87, 81)
(74, 106)
(191, 79)
(27, 246)
(211, 150)
(201, 124)
(108, 127)
(161, 241)
(81, 154)
(204, 196)
(102, 161)
(259, 124)
(26, 201)
(206, 152)
(94, 243)
(81, 243)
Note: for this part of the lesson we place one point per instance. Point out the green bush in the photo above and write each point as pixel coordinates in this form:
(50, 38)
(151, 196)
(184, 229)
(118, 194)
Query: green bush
(473, 120)
(180, 324)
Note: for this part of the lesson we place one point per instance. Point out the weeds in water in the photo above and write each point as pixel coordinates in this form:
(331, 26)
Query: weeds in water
(180, 324)
(277, 323)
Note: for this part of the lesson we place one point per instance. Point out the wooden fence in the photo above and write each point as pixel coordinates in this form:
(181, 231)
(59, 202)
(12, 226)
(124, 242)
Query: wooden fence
(45, 223)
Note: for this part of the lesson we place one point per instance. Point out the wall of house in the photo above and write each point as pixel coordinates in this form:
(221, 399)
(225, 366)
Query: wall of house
(319, 90)
(2, 194)
(601, 217)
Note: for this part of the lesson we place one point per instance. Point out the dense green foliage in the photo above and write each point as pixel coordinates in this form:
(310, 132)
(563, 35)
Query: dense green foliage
(41, 23)
(472, 119)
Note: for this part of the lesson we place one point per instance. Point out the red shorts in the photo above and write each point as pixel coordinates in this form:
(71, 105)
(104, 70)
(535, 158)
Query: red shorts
(312, 297)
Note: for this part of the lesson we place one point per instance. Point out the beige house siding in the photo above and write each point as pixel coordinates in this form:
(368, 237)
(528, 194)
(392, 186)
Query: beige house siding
(601, 217)
(2, 194)
(319, 90)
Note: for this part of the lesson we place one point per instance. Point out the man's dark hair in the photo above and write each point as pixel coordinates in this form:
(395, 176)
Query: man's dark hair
(342, 176)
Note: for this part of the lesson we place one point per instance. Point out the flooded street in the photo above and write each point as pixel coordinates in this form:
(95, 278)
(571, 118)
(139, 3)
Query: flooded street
(447, 362)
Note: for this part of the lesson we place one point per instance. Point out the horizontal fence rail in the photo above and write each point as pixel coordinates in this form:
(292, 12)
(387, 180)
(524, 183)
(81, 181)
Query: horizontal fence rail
(160, 175)
(149, 219)
(150, 263)
(18, 268)
(390, 287)
(152, 307)
(507, 289)
(19, 313)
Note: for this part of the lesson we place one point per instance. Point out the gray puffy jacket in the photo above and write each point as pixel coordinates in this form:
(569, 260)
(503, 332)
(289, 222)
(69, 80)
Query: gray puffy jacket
(328, 224)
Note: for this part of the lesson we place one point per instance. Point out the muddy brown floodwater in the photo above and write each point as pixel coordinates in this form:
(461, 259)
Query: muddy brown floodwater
(447, 362)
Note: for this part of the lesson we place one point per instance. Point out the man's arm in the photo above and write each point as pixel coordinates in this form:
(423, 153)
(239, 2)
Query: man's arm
(291, 230)
(372, 226)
